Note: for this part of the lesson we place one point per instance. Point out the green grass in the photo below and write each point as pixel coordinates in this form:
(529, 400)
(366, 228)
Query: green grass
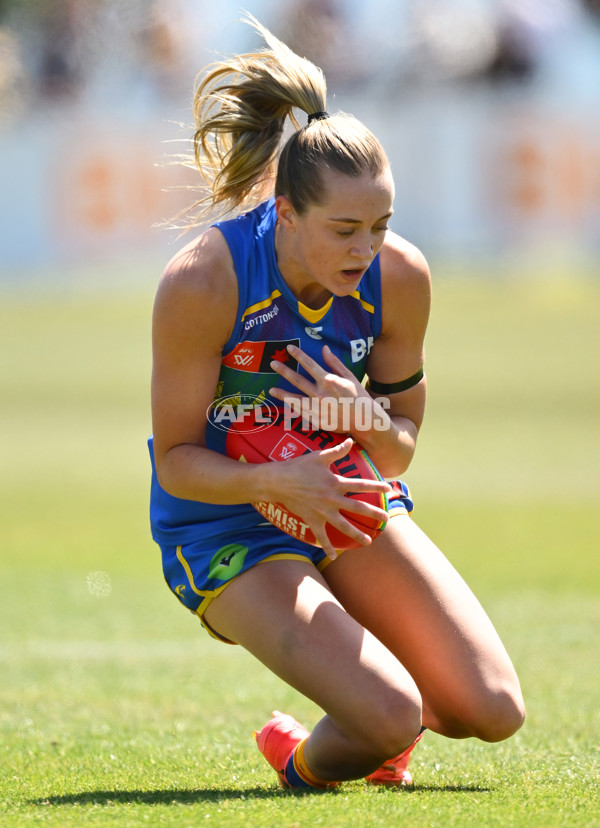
(117, 710)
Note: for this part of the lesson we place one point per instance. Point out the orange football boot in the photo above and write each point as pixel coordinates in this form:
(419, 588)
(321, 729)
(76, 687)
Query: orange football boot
(395, 771)
(277, 740)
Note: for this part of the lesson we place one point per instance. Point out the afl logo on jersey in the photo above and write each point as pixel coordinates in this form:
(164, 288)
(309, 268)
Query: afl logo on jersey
(314, 333)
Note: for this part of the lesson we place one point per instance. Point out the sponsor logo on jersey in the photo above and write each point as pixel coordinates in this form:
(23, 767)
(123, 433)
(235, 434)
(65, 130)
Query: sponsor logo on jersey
(227, 562)
(360, 348)
(261, 318)
(256, 357)
(314, 332)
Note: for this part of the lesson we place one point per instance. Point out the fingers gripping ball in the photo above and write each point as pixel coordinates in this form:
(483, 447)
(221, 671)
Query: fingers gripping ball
(286, 439)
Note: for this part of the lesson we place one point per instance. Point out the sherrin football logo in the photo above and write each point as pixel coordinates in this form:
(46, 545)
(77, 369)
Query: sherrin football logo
(288, 447)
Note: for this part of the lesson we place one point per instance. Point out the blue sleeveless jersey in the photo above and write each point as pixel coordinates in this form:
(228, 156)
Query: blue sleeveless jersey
(269, 317)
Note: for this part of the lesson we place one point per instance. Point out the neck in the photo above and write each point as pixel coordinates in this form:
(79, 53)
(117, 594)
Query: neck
(309, 292)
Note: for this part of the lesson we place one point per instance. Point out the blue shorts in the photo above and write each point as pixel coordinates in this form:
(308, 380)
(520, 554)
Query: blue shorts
(198, 572)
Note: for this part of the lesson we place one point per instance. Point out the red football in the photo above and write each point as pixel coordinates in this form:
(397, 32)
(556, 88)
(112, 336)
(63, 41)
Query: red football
(285, 439)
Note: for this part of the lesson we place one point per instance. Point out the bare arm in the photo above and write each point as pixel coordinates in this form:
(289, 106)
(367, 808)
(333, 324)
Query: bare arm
(398, 353)
(194, 313)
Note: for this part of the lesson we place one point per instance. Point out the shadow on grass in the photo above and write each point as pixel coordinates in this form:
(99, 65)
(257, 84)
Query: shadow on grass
(190, 796)
(164, 797)
(447, 789)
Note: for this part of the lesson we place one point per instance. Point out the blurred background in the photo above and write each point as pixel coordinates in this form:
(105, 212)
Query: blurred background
(489, 110)
(490, 113)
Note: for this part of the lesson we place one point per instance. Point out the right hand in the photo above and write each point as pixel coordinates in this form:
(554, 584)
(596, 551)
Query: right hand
(308, 488)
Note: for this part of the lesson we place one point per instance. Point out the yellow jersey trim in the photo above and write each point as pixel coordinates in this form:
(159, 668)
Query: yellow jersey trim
(400, 509)
(284, 556)
(209, 595)
(260, 305)
(210, 630)
(326, 561)
(315, 315)
(312, 314)
(366, 305)
(204, 593)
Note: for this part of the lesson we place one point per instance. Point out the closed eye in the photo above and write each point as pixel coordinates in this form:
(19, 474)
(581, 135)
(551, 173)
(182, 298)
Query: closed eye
(351, 231)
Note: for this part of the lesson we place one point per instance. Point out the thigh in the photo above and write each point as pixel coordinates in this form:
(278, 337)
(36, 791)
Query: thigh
(285, 614)
(407, 593)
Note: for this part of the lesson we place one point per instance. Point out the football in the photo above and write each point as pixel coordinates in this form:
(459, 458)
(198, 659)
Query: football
(284, 439)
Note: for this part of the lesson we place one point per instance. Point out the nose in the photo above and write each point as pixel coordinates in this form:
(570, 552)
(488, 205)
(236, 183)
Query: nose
(362, 248)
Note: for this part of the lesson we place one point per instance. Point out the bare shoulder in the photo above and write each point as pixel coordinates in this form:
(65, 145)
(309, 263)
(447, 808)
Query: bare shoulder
(405, 283)
(203, 267)
(403, 265)
(398, 353)
(198, 288)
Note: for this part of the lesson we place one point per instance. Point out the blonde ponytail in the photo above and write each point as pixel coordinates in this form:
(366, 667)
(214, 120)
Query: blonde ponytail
(240, 109)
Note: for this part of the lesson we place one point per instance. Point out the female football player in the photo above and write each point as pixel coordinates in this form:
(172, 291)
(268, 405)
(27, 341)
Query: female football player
(306, 293)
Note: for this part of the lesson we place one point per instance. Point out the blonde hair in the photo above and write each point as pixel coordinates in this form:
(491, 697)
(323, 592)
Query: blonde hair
(240, 111)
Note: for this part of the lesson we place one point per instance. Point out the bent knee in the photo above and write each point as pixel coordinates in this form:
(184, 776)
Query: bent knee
(502, 715)
(392, 725)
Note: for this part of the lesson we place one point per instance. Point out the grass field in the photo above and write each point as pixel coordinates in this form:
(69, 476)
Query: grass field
(117, 710)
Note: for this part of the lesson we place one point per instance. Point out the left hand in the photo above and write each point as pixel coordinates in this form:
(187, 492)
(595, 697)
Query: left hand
(330, 402)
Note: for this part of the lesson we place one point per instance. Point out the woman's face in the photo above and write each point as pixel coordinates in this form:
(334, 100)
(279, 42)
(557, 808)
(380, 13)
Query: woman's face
(332, 244)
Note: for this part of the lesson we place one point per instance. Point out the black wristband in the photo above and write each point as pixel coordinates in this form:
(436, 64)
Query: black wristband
(395, 387)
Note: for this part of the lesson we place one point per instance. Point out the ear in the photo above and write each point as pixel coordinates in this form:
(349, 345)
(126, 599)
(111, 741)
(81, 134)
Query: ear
(286, 215)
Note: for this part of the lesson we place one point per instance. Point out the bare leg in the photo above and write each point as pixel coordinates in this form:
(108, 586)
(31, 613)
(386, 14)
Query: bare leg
(406, 593)
(284, 613)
